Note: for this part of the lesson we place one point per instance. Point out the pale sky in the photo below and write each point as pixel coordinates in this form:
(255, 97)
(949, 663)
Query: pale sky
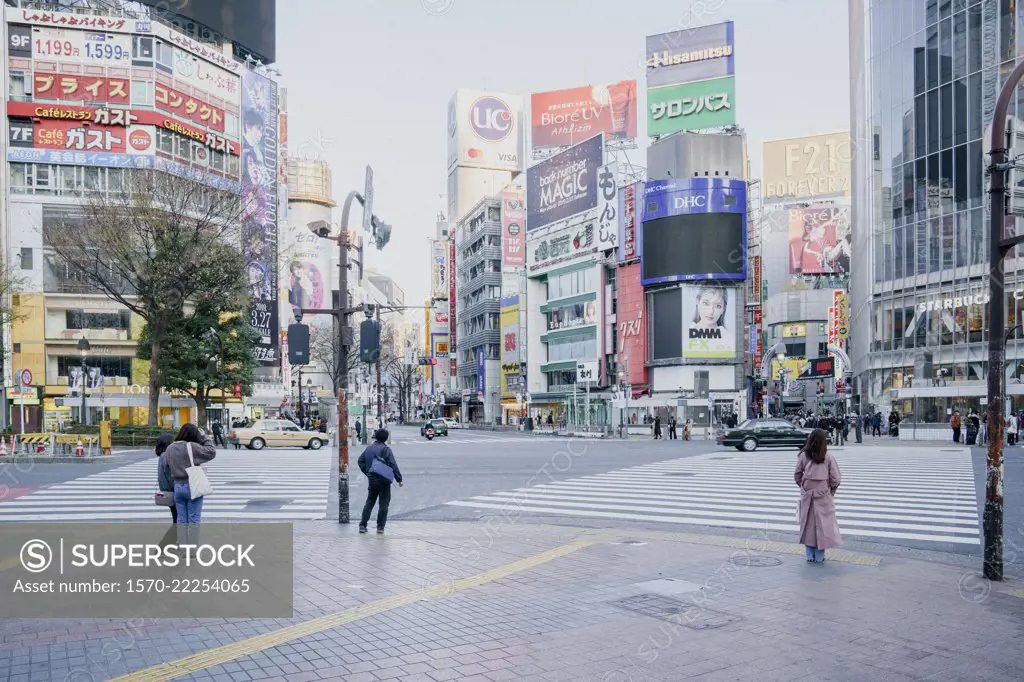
(369, 82)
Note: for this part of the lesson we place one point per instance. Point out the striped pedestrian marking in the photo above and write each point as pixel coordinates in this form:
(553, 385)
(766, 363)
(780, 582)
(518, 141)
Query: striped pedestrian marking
(287, 485)
(450, 440)
(891, 493)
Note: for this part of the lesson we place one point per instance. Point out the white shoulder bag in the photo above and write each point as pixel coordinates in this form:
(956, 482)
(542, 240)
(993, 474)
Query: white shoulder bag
(198, 483)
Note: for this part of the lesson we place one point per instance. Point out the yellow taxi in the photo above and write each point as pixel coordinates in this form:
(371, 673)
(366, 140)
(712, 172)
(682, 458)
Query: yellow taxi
(277, 433)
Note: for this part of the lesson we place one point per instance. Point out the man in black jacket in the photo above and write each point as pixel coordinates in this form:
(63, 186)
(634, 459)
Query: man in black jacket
(379, 484)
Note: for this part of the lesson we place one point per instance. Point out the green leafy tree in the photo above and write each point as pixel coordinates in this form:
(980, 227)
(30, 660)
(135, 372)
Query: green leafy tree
(157, 244)
(191, 360)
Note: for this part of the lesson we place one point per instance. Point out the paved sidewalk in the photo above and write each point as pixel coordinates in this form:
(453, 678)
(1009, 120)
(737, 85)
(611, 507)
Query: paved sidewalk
(503, 600)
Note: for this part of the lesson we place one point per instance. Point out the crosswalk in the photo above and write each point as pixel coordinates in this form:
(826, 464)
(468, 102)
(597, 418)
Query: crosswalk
(890, 494)
(285, 485)
(456, 440)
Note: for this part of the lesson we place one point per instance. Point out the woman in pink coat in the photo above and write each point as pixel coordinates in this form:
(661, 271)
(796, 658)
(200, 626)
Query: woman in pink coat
(817, 474)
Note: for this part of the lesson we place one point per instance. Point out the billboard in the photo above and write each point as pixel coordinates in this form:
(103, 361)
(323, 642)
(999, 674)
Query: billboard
(841, 303)
(510, 357)
(629, 217)
(819, 240)
(691, 106)
(513, 229)
(308, 280)
(260, 205)
(607, 207)
(690, 54)
(561, 118)
(693, 229)
(481, 370)
(564, 185)
(439, 269)
(793, 331)
(569, 241)
(483, 130)
(807, 167)
(631, 322)
(709, 329)
(78, 88)
(452, 301)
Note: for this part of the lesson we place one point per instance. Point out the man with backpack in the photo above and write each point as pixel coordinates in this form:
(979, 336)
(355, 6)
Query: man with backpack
(378, 464)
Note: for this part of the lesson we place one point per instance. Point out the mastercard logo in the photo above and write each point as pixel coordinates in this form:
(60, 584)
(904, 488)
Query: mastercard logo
(140, 140)
(475, 153)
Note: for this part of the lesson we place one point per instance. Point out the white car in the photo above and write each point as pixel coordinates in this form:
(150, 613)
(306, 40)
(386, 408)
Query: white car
(451, 423)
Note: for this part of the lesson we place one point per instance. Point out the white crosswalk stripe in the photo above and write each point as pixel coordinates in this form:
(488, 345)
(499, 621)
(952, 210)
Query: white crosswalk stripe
(289, 485)
(905, 494)
(452, 440)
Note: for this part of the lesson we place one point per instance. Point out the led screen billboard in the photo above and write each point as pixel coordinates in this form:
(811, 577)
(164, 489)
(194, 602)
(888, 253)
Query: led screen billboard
(564, 185)
(693, 229)
(709, 315)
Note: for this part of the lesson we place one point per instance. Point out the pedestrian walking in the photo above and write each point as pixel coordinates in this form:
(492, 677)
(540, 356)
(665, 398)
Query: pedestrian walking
(973, 428)
(672, 429)
(817, 474)
(191, 448)
(876, 425)
(165, 484)
(359, 430)
(954, 422)
(1011, 429)
(380, 468)
(218, 435)
(657, 428)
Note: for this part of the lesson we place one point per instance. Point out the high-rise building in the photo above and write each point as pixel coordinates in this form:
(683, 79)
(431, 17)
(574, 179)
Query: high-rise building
(95, 90)
(924, 81)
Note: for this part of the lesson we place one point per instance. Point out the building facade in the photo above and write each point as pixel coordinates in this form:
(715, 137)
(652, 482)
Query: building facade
(94, 92)
(924, 81)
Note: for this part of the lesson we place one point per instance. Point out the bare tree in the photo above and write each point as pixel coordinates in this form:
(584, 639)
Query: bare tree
(325, 349)
(156, 248)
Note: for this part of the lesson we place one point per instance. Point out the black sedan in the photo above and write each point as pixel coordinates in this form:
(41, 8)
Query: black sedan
(764, 433)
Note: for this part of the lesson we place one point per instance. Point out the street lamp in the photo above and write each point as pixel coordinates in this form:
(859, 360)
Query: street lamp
(83, 348)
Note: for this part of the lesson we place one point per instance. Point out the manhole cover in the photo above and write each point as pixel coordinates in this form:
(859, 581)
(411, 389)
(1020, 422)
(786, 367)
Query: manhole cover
(689, 614)
(683, 473)
(243, 483)
(755, 561)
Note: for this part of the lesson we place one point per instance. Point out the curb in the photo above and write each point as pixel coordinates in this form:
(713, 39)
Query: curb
(61, 459)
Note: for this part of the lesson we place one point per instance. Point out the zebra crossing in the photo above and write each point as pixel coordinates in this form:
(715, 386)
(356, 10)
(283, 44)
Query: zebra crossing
(457, 440)
(890, 494)
(283, 485)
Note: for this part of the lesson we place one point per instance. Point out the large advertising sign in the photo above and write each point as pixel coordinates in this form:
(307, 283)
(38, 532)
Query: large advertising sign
(629, 217)
(819, 240)
(693, 229)
(260, 206)
(189, 108)
(807, 167)
(564, 185)
(632, 324)
(571, 240)
(78, 88)
(690, 54)
(439, 269)
(565, 117)
(513, 229)
(452, 321)
(483, 130)
(709, 316)
(841, 303)
(510, 357)
(607, 207)
(691, 106)
(309, 281)
(481, 370)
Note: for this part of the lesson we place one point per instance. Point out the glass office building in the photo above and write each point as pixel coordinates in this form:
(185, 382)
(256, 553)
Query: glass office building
(924, 79)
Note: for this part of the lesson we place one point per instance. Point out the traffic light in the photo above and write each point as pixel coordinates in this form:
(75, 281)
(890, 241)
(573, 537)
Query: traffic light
(428, 361)
(238, 390)
(369, 341)
(298, 344)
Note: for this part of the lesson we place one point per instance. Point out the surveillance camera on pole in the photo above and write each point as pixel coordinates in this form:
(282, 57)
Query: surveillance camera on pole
(321, 228)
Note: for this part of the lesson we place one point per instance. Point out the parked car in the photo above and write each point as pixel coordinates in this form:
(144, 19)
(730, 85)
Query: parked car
(277, 433)
(764, 433)
(452, 424)
(439, 426)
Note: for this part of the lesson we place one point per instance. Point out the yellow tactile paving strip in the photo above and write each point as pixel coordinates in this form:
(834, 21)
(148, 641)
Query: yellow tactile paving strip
(246, 647)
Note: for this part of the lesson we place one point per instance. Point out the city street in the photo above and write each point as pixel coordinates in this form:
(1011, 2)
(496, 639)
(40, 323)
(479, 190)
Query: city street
(512, 556)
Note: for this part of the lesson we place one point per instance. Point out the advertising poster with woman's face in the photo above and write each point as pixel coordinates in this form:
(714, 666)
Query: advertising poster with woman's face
(305, 285)
(709, 330)
(819, 240)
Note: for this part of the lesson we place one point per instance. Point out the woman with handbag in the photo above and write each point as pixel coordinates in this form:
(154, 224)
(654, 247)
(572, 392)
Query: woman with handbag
(378, 464)
(190, 449)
